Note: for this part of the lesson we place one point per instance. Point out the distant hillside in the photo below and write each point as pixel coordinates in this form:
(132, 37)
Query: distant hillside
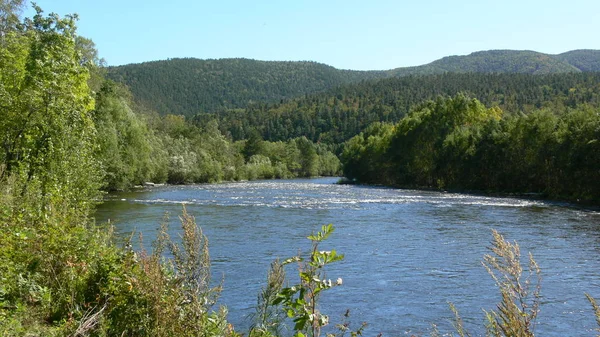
(190, 86)
(585, 60)
(495, 61)
(338, 114)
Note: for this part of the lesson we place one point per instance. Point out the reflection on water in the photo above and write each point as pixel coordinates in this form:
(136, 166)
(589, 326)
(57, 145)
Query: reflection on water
(407, 252)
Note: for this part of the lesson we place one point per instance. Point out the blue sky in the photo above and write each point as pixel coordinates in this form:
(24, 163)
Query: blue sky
(361, 35)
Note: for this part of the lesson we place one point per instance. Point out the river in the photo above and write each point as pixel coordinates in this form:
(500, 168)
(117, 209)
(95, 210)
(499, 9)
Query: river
(407, 253)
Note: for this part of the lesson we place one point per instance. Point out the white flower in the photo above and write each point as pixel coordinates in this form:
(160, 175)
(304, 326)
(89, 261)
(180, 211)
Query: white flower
(339, 281)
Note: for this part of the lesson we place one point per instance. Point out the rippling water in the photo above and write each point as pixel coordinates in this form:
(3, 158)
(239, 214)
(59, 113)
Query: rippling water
(407, 253)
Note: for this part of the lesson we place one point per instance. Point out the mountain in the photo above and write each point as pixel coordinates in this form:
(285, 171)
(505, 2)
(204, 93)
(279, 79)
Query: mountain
(340, 113)
(496, 61)
(190, 86)
(586, 60)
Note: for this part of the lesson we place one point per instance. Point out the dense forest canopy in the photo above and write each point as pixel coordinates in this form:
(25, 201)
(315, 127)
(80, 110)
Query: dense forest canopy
(191, 86)
(586, 60)
(501, 61)
(458, 143)
(340, 113)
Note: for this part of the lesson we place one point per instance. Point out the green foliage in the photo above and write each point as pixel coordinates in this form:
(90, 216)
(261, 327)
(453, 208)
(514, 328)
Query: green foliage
(364, 156)
(51, 268)
(9, 15)
(208, 156)
(65, 132)
(583, 59)
(191, 86)
(300, 301)
(46, 106)
(343, 112)
(497, 61)
(184, 153)
(309, 160)
(60, 275)
(457, 143)
(269, 318)
(124, 146)
(427, 141)
(177, 292)
(49, 176)
(253, 145)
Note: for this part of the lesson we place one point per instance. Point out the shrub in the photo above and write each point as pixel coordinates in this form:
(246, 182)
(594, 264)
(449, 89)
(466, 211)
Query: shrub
(178, 290)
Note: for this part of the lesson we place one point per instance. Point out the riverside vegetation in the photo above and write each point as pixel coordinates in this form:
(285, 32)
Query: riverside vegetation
(67, 134)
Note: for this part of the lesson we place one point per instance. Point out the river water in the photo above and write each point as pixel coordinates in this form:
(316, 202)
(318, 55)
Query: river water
(407, 253)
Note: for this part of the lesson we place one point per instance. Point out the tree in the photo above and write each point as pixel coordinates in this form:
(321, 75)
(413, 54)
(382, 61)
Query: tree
(254, 145)
(47, 130)
(427, 136)
(123, 140)
(88, 57)
(309, 160)
(9, 15)
(365, 156)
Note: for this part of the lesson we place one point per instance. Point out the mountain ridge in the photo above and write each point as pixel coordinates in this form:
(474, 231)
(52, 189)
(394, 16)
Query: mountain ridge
(187, 86)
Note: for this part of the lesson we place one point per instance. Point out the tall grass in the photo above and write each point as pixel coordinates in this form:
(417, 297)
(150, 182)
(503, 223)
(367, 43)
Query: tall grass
(179, 291)
(269, 319)
(516, 313)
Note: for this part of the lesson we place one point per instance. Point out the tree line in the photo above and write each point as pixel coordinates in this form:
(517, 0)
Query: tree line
(145, 147)
(337, 115)
(458, 143)
(188, 86)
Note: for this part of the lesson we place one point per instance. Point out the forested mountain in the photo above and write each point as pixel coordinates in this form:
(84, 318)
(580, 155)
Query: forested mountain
(583, 59)
(340, 113)
(190, 86)
(494, 61)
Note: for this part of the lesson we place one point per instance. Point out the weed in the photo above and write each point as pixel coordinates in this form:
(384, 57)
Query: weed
(516, 313)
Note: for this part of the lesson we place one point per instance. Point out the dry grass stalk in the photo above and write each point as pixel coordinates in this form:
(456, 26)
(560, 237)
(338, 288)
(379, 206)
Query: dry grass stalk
(596, 310)
(517, 312)
(89, 321)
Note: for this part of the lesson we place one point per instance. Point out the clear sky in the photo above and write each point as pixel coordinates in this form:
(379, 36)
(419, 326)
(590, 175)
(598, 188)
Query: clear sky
(347, 34)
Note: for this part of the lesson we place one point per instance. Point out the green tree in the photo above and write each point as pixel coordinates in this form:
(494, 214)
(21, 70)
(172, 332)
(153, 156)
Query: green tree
(50, 179)
(422, 137)
(254, 145)
(124, 147)
(9, 15)
(365, 156)
(47, 131)
(88, 57)
(309, 160)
